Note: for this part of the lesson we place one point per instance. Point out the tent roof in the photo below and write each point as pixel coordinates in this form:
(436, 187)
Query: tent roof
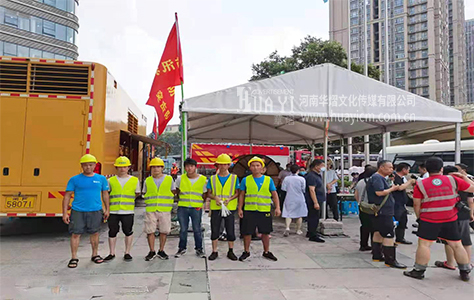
(292, 109)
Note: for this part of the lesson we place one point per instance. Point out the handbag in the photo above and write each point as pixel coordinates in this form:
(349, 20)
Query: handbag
(371, 208)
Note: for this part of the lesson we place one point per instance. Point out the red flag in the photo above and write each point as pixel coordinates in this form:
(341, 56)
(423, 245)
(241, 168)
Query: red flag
(168, 75)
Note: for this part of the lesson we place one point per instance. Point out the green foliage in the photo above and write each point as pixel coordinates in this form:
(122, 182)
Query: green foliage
(312, 51)
(174, 140)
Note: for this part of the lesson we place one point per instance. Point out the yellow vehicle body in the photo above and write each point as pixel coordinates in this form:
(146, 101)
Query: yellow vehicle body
(51, 113)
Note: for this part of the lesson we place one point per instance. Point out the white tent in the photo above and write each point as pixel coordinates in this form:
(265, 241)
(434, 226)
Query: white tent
(292, 109)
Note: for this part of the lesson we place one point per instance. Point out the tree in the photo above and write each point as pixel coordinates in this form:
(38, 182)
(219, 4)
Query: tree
(174, 140)
(312, 51)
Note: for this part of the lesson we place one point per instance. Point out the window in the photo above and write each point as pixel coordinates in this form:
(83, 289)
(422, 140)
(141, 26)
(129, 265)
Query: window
(70, 35)
(35, 53)
(399, 20)
(399, 28)
(424, 53)
(61, 32)
(9, 49)
(48, 54)
(24, 22)
(36, 25)
(23, 51)
(1, 47)
(62, 4)
(49, 28)
(57, 56)
(354, 21)
(398, 10)
(2, 15)
(50, 2)
(11, 18)
(398, 3)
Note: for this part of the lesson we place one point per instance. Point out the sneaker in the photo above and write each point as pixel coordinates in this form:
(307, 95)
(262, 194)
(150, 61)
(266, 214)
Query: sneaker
(162, 255)
(299, 232)
(109, 257)
(365, 248)
(269, 256)
(286, 233)
(244, 256)
(150, 256)
(415, 274)
(307, 234)
(127, 257)
(464, 275)
(180, 252)
(231, 255)
(213, 256)
(200, 253)
(223, 237)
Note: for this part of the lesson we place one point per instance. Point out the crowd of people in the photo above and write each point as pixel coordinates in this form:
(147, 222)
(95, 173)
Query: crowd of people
(381, 192)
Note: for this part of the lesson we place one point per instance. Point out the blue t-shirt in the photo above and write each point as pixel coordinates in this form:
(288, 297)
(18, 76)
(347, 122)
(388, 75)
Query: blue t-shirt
(259, 182)
(378, 183)
(223, 180)
(87, 191)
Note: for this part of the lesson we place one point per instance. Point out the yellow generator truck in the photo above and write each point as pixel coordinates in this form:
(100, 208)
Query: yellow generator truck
(51, 113)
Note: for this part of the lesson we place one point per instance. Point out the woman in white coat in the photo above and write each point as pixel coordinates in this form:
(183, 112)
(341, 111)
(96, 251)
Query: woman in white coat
(294, 206)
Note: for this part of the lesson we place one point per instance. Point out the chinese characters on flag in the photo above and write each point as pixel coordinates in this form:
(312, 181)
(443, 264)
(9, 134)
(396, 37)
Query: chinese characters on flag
(168, 75)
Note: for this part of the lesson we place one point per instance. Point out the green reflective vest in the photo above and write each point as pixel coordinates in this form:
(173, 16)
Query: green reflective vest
(258, 200)
(159, 199)
(122, 199)
(224, 192)
(190, 195)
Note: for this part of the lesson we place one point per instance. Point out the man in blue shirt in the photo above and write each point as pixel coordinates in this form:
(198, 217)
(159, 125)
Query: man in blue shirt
(89, 190)
(315, 197)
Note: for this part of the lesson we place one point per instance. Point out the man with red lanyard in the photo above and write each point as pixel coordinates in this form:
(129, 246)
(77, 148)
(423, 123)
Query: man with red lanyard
(434, 200)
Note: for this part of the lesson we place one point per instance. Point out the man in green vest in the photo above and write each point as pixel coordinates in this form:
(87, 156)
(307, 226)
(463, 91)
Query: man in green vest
(123, 191)
(257, 193)
(159, 198)
(191, 188)
(221, 189)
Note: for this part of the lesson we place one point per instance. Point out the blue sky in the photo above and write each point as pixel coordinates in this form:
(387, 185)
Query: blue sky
(220, 39)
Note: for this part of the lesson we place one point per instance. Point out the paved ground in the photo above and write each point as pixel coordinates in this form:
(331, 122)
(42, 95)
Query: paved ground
(34, 267)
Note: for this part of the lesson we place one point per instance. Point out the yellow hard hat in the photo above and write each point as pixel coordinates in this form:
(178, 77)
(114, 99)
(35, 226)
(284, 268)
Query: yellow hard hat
(223, 159)
(157, 162)
(256, 158)
(122, 161)
(88, 158)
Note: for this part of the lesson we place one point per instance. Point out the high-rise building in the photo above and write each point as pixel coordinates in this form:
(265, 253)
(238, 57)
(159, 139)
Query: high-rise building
(38, 28)
(470, 61)
(419, 39)
(457, 52)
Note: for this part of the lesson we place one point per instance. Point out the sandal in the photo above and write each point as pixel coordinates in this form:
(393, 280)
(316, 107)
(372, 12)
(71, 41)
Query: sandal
(97, 259)
(73, 263)
(109, 257)
(443, 264)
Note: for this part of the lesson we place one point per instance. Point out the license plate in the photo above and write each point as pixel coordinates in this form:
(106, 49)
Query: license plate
(20, 202)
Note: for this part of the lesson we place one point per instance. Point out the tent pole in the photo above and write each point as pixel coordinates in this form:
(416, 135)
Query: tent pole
(184, 137)
(325, 152)
(342, 165)
(384, 146)
(457, 144)
(349, 151)
(367, 149)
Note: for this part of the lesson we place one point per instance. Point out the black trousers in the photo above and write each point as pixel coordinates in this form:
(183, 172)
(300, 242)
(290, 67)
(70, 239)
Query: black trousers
(313, 219)
(332, 203)
(402, 217)
(366, 228)
(216, 221)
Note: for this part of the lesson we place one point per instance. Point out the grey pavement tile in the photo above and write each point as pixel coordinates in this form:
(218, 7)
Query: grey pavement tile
(461, 292)
(345, 261)
(189, 282)
(189, 262)
(310, 294)
(262, 294)
(189, 296)
(399, 293)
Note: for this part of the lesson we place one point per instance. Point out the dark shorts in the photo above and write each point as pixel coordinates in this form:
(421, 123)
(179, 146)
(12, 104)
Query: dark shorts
(229, 224)
(253, 220)
(384, 225)
(465, 233)
(85, 222)
(445, 231)
(114, 224)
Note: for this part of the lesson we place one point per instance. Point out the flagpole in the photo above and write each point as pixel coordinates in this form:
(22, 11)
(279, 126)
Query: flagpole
(184, 122)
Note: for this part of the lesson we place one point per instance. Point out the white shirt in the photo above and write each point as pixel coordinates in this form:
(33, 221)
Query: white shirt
(123, 181)
(426, 175)
(330, 176)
